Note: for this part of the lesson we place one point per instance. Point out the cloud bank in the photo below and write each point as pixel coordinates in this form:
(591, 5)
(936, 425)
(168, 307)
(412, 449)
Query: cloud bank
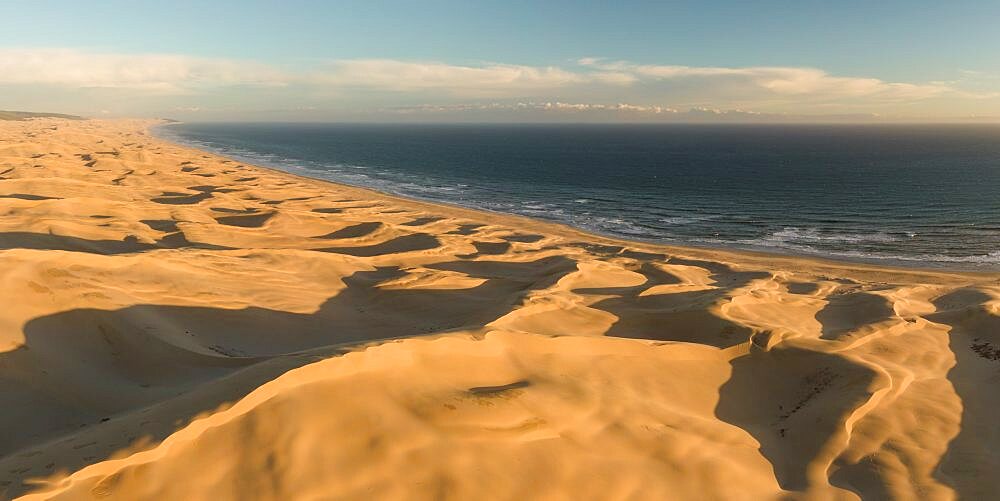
(160, 83)
(778, 80)
(157, 72)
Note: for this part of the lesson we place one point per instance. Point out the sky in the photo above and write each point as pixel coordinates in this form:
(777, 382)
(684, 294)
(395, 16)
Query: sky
(505, 61)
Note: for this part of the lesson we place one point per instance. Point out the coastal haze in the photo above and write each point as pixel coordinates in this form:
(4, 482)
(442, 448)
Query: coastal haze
(499, 250)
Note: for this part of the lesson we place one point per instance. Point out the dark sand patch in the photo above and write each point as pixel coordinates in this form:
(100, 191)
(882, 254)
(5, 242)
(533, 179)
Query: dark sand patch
(488, 249)
(28, 196)
(246, 220)
(846, 312)
(420, 221)
(490, 390)
(227, 210)
(164, 225)
(466, 229)
(804, 288)
(407, 243)
(523, 238)
(355, 231)
(182, 200)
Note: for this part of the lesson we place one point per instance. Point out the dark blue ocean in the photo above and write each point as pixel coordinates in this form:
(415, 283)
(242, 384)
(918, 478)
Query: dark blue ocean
(926, 196)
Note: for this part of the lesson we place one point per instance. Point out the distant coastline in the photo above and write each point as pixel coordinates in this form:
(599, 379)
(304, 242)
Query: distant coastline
(25, 115)
(752, 226)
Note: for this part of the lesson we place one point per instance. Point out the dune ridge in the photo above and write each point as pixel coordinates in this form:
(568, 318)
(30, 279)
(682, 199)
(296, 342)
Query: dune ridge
(183, 326)
(28, 115)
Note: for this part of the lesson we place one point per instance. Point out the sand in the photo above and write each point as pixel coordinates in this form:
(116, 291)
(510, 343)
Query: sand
(178, 325)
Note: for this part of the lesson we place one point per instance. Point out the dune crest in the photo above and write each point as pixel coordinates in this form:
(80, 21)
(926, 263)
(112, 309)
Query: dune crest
(183, 326)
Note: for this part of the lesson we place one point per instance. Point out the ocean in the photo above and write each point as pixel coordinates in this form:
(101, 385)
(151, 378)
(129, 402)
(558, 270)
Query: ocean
(910, 195)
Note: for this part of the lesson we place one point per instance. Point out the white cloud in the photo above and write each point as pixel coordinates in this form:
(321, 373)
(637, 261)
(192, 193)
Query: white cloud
(552, 106)
(402, 76)
(558, 111)
(156, 72)
(165, 72)
(154, 82)
(781, 81)
(501, 80)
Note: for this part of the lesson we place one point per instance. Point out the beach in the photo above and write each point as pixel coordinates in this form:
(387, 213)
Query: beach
(181, 325)
(799, 190)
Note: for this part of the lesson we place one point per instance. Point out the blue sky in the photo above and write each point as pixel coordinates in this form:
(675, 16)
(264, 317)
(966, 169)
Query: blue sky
(553, 60)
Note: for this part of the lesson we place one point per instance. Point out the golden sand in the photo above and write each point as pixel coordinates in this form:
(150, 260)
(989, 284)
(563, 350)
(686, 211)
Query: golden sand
(177, 325)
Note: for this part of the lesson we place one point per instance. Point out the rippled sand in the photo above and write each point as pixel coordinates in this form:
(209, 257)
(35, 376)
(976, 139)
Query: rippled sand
(177, 325)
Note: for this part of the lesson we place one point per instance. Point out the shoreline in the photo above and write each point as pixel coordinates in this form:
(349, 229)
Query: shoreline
(172, 312)
(831, 262)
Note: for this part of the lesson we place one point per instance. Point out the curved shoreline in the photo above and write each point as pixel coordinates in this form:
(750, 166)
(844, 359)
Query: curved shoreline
(785, 258)
(174, 312)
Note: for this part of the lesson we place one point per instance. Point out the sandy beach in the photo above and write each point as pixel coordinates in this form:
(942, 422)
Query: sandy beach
(178, 325)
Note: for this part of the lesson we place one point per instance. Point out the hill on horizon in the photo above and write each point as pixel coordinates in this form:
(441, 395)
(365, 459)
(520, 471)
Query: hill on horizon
(24, 115)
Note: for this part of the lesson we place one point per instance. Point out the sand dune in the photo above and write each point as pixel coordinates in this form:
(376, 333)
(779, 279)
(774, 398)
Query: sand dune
(182, 326)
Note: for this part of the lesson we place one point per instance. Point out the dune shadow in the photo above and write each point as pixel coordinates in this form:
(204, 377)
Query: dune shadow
(803, 288)
(523, 238)
(85, 375)
(466, 229)
(681, 316)
(45, 241)
(164, 225)
(792, 401)
(406, 243)
(542, 272)
(487, 249)
(128, 245)
(970, 464)
(642, 256)
(227, 210)
(354, 231)
(653, 274)
(598, 249)
(181, 199)
(724, 276)
(255, 220)
(618, 250)
(28, 196)
(178, 240)
(422, 221)
(844, 313)
(960, 300)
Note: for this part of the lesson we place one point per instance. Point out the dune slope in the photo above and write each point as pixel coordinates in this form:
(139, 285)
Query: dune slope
(183, 326)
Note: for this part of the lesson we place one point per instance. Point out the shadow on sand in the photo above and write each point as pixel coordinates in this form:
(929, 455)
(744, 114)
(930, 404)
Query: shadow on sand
(89, 382)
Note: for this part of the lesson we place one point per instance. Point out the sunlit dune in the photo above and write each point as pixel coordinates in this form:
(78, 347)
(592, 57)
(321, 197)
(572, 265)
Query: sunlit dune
(178, 325)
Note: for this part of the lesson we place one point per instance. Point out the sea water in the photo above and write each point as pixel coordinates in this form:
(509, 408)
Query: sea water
(918, 195)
